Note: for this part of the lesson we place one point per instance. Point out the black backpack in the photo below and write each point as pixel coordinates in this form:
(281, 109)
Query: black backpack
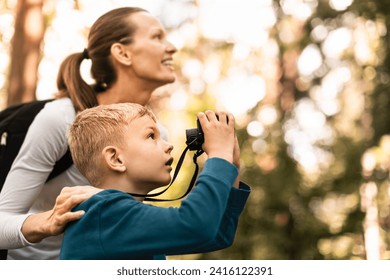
(14, 123)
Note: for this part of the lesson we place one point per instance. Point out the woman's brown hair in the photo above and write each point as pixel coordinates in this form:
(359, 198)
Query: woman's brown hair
(112, 27)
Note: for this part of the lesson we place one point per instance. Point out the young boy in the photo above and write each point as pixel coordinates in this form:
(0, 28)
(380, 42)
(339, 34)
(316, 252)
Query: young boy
(119, 149)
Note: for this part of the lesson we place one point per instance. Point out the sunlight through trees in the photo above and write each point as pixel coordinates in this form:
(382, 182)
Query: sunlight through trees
(308, 82)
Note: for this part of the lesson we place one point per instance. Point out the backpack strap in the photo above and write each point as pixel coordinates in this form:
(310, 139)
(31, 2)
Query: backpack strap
(14, 123)
(61, 165)
(3, 254)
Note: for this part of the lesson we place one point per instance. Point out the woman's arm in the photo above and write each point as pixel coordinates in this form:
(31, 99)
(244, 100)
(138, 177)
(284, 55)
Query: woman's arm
(39, 226)
(44, 144)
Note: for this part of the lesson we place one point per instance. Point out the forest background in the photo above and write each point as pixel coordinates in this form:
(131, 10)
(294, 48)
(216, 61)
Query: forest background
(307, 80)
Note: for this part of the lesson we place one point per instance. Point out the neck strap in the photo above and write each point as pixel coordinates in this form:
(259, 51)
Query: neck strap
(151, 197)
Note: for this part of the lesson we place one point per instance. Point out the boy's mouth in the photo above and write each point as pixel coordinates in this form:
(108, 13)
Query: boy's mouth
(169, 162)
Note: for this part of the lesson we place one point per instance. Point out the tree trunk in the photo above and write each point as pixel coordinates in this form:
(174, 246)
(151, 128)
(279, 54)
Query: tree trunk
(25, 53)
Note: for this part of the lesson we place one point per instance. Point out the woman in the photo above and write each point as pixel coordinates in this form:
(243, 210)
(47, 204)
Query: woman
(130, 59)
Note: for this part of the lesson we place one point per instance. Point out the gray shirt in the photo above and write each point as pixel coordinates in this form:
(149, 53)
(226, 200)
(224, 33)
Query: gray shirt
(25, 191)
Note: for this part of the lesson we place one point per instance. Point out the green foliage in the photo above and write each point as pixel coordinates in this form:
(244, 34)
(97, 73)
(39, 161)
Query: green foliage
(308, 167)
(289, 214)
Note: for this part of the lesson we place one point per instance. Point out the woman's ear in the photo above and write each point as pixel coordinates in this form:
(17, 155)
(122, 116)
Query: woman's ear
(121, 54)
(113, 159)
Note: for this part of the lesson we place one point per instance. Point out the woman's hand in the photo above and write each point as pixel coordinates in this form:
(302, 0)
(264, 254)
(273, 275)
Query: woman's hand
(39, 226)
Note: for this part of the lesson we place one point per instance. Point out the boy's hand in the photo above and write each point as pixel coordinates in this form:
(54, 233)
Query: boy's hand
(236, 153)
(236, 160)
(219, 138)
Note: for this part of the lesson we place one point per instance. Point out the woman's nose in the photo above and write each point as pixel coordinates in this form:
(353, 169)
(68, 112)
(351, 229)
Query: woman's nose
(171, 48)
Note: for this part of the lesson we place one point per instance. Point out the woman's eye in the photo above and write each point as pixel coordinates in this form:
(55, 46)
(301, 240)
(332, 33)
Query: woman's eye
(158, 36)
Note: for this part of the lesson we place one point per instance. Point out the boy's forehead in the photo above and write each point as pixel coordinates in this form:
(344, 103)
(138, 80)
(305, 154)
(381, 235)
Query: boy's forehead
(143, 122)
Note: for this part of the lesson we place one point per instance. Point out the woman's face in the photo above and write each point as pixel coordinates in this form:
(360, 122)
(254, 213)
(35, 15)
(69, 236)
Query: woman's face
(151, 53)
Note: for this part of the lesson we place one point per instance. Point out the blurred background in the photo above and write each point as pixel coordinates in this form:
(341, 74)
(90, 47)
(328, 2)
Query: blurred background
(307, 80)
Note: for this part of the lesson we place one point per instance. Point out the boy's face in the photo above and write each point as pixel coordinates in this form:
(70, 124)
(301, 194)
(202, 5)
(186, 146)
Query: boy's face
(146, 155)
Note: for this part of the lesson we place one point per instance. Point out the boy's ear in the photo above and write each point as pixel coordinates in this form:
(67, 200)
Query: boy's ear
(121, 54)
(113, 159)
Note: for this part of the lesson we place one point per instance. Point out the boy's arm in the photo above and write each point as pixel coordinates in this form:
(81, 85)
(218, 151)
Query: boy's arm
(237, 200)
(227, 229)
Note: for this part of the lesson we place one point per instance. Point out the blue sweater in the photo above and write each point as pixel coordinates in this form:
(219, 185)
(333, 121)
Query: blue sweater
(116, 226)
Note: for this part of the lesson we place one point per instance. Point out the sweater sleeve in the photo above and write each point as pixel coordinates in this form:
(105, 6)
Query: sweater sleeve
(228, 226)
(44, 144)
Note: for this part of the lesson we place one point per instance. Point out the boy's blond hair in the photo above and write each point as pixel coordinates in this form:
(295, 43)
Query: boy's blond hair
(99, 127)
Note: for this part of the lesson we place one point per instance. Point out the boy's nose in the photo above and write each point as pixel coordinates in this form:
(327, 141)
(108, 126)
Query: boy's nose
(170, 148)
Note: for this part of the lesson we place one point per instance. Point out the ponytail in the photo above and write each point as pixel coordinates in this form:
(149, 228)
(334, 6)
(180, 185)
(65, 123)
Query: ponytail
(114, 26)
(71, 84)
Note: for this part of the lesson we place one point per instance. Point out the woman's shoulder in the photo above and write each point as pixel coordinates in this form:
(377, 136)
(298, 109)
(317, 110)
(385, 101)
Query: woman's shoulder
(54, 119)
(63, 101)
(60, 107)
(57, 112)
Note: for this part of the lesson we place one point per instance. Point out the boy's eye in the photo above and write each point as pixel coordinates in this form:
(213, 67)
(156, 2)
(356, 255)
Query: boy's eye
(151, 135)
(158, 36)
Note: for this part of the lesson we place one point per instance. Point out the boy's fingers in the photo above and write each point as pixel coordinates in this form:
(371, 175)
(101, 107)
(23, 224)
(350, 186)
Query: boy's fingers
(222, 117)
(211, 116)
(230, 119)
(202, 118)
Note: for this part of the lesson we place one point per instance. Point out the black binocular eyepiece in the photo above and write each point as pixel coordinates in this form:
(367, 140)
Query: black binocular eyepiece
(195, 138)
